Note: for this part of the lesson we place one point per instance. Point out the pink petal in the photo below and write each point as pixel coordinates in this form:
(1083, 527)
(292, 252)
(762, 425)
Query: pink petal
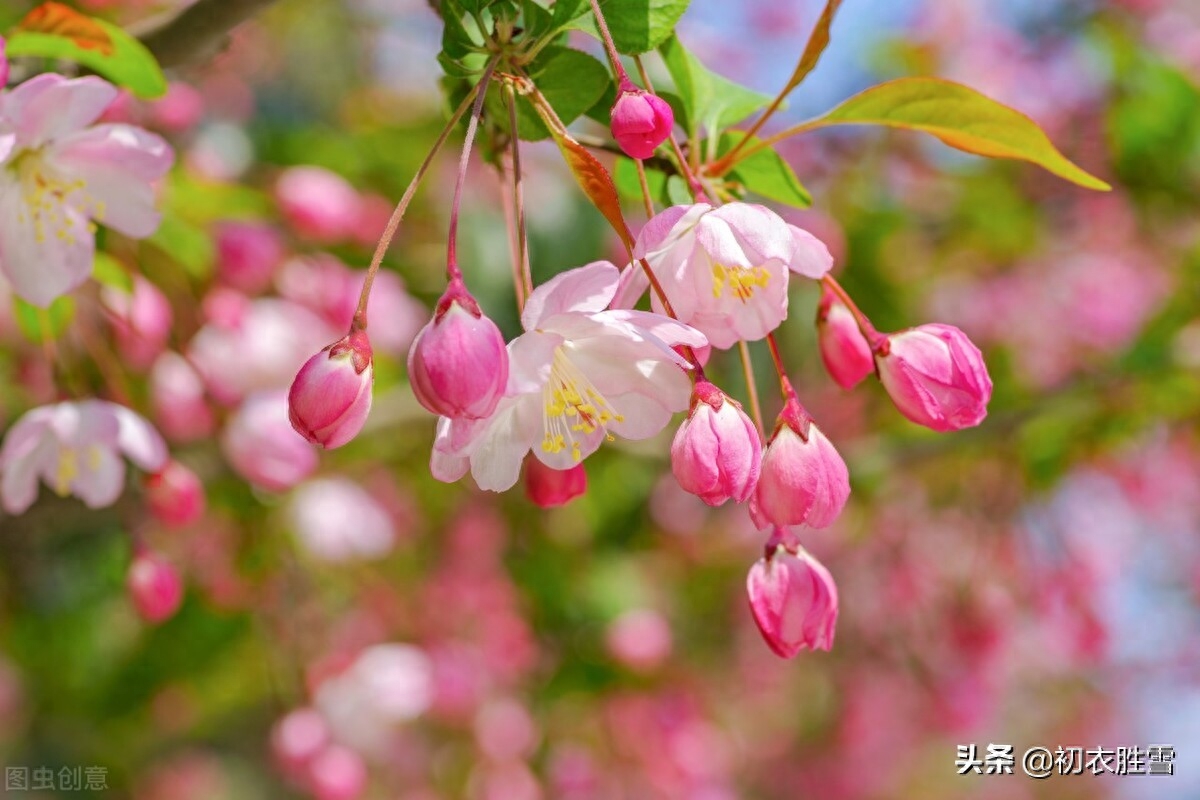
(586, 289)
(52, 108)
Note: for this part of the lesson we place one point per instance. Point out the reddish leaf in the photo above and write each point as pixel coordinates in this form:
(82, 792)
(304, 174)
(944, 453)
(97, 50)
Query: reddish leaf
(596, 183)
(56, 19)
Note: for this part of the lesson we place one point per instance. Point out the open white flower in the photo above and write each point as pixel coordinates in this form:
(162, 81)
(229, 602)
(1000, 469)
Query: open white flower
(579, 375)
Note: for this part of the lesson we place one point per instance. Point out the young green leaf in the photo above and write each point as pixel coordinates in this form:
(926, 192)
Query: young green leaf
(639, 26)
(709, 99)
(765, 173)
(962, 118)
(108, 272)
(55, 31)
(44, 324)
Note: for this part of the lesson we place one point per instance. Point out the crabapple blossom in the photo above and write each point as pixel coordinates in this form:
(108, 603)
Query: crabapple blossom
(724, 270)
(844, 350)
(337, 773)
(320, 205)
(936, 376)
(793, 599)
(331, 395)
(579, 375)
(261, 445)
(299, 737)
(59, 172)
(141, 320)
(641, 121)
(717, 450)
(76, 448)
(177, 395)
(248, 253)
(550, 488)
(804, 480)
(336, 520)
(154, 587)
(458, 365)
(175, 495)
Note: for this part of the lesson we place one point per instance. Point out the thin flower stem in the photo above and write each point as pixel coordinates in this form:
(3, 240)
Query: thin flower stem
(646, 199)
(685, 168)
(757, 126)
(510, 224)
(773, 346)
(751, 388)
(874, 338)
(610, 47)
(452, 270)
(389, 232)
(518, 194)
(730, 159)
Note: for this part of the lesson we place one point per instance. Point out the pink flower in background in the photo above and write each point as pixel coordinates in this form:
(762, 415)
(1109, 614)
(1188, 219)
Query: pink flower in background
(76, 448)
(320, 205)
(336, 520)
(331, 395)
(261, 445)
(579, 375)
(725, 270)
(327, 287)
(141, 320)
(61, 172)
(248, 253)
(458, 366)
(935, 376)
(640, 121)
(794, 601)
(177, 395)
(716, 451)
(551, 488)
(804, 480)
(175, 495)
(180, 110)
(639, 639)
(337, 773)
(154, 587)
(298, 738)
(844, 350)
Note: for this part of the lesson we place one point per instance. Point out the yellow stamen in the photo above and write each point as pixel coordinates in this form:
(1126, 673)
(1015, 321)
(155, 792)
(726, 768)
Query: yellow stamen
(572, 405)
(741, 281)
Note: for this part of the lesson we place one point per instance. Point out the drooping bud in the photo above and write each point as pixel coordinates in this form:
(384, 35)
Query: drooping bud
(154, 587)
(804, 480)
(640, 121)
(248, 253)
(551, 488)
(331, 395)
(717, 451)
(844, 349)
(793, 599)
(936, 377)
(175, 496)
(458, 364)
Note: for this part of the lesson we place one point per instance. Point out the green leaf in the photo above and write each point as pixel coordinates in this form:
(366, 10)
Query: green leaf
(626, 179)
(709, 99)
(567, 10)
(108, 272)
(190, 246)
(818, 40)
(962, 118)
(571, 80)
(639, 26)
(44, 324)
(766, 173)
(126, 62)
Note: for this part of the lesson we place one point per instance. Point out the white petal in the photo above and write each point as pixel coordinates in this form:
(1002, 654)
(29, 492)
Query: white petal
(497, 456)
(101, 476)
(585, 289)
(19, 485)
(643, 416)
(44, 253)
(138, 439)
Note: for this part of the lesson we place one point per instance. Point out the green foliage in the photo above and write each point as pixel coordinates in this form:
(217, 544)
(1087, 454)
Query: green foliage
(766, 173)
(639, 26)
(709, 99)
(126, 62)
(571, 80)
(665, 190)
(108, 272)
(44, 324)
(962, 118)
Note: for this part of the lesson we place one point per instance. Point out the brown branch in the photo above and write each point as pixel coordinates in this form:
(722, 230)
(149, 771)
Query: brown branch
(200, 31)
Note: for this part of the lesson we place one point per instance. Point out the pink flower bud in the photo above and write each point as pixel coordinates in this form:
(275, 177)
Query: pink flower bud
(248, 253)
(141, 320)
(458, 365)
(177, 394)
(3, 64)
(935, 376)
(175, 496)
(716, 452)
(803, 479)
(154, 587)
(179, 110)
(844, 350)
(550, 488)
(262, 446)
(299, 737)
(321, 205)
(337, 774)
(641, 121)
(794, 601)
(331, 396)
